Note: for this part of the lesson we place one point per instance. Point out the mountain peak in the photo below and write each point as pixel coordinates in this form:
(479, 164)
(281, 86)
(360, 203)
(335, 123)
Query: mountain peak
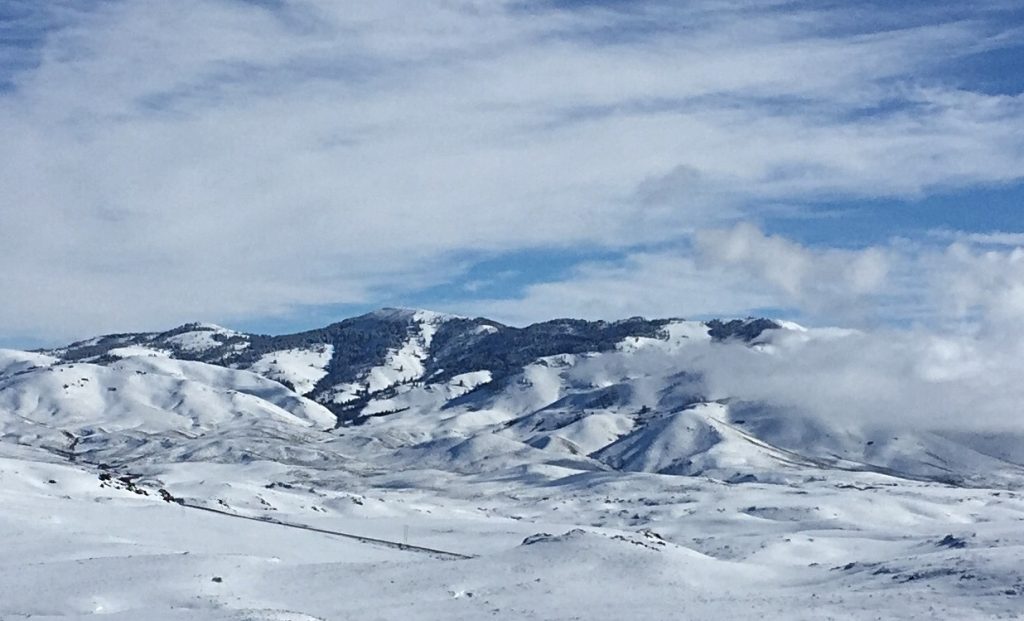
(390, 313)
(201, 326)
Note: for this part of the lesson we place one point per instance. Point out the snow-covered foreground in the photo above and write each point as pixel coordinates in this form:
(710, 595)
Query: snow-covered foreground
(547, 543)
(408, 465)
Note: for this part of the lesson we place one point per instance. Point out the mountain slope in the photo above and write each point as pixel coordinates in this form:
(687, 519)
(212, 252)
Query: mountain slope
(408, 389)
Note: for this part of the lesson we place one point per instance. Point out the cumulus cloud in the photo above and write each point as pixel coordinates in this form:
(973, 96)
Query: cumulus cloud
(970, 286)
(980, 282)
(661, 284)
(735, 272)
(809, 277)
(848, 380)
(222, 159)
(909, 378)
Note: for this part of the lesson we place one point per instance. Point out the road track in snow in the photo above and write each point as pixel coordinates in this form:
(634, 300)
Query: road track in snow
(385, 543)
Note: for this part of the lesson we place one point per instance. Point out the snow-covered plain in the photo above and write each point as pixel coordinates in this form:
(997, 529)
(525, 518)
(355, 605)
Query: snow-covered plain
(582, 486)
(601, 546)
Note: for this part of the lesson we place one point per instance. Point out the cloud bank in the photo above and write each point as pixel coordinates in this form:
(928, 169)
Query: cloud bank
(224, 160)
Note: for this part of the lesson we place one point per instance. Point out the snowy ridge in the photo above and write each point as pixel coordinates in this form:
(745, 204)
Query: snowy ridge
(193, 474)
(676, 334)
(403, 363)
(13, 362)
(113, 411)
(406, 363)
(624, 399)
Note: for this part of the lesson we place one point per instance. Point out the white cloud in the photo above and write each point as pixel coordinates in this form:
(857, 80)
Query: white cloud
(654, 284)
(908, 379)
(964, 287)
(980, 282)
(994, 238)
(214, 159)
(805, 275)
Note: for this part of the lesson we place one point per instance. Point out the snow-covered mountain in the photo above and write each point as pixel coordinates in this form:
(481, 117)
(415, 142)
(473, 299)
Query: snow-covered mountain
(402, 388)
(356, 365)
(407, 464)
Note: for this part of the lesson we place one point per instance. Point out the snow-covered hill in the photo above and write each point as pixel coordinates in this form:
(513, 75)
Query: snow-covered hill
(204, 473)
(399, 388)
(402, 388)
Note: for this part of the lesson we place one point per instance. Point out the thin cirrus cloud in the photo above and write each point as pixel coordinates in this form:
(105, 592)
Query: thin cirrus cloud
(231, 160)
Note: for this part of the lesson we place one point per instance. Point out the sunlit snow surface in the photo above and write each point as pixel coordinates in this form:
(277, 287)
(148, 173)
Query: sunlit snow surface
(301, 368)
(584, 486)
(602, 545)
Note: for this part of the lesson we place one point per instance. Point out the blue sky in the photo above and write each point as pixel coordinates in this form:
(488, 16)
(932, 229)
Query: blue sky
(275, 166)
